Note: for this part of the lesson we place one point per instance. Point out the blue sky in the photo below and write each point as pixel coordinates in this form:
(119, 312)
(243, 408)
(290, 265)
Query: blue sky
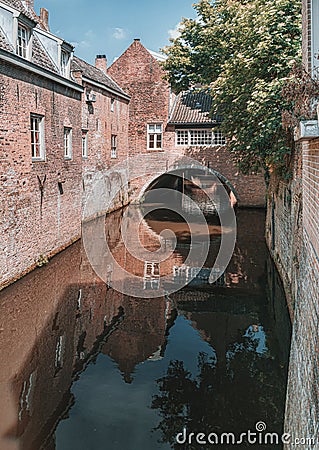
(109, 26)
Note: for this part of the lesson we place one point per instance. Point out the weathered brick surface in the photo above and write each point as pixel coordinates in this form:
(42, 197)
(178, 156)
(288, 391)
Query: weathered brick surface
(292, 221)
(28, 229)
(101, 123)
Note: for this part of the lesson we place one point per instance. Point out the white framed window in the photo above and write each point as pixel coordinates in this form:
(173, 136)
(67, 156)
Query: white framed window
(200, 137)
(182, 137)
(112, 104)
(37, 137)
(113, 146)
(219, 139)
(67, 143)
(64, 64)
(84, 144)
(154, 136)
(23, 39)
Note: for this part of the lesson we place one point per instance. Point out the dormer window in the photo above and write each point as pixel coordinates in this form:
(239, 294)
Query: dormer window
(23, 40)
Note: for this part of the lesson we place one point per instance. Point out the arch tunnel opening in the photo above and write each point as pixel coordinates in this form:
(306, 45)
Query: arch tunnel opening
(210, 191)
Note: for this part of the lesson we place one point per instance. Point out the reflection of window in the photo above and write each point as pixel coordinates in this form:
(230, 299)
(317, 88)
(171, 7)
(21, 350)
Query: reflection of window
(84, 144)
(113, 146)
(154, 136)
(200, 137)
(26, 396)
(37, 137)
(59, 353)
(23, 39)
(151, 275)
(67, 143)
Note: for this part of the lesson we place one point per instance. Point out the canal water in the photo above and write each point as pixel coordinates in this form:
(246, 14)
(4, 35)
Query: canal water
(84, 367)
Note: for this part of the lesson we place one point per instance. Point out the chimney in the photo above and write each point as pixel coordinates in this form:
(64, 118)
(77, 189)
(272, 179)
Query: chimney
(101, 63)
(44, 18)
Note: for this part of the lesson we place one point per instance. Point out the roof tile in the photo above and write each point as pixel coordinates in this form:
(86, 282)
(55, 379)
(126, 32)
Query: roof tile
(193, 108)
(40, 57)
(4, 44)
(95, 74)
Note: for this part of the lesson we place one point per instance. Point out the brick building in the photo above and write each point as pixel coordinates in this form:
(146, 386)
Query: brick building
(165, 127)
(40, 139)
(62, 120)
(292, 234)
(104, 117)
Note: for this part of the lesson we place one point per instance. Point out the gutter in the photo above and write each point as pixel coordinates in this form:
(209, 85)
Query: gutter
(197, 124)
(33, 68)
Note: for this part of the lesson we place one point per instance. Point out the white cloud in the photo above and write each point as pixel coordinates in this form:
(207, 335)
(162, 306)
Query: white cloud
(175, 33)
(89, 37)
(119, 33)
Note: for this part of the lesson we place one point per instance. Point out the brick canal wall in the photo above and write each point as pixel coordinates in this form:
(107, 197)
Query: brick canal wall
(292, 236)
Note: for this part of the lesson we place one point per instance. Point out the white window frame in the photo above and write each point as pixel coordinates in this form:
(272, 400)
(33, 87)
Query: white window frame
(23, 41)
(112, 104)
(187, 137)
(67, 143)
(113, 146)
(85, 147)
(155, 130)
(37, 137)
(315, 38)
(65, 63)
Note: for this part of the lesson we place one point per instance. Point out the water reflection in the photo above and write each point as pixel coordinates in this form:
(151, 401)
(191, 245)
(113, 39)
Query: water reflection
(87, 367)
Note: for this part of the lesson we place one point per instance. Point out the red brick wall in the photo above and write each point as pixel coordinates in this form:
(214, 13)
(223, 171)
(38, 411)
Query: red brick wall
(311, 192)
(25, 231)
(141, 76)
(292, 236)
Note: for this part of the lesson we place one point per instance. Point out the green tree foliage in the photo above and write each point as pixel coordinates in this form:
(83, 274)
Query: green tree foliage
(242, 51)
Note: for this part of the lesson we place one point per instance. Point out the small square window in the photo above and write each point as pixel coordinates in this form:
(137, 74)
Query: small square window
(154, 136)
(84, 144)
(23, 39)
(37, 138)
(67, 143)
(113, 146)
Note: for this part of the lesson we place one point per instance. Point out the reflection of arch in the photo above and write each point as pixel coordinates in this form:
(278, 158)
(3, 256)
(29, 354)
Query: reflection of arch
(174, 171)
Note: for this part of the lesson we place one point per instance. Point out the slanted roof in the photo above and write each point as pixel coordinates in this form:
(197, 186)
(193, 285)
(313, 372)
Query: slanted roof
(4, 44)
(23, 8)
(96, 75)
(40, 56)
(193, 108)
